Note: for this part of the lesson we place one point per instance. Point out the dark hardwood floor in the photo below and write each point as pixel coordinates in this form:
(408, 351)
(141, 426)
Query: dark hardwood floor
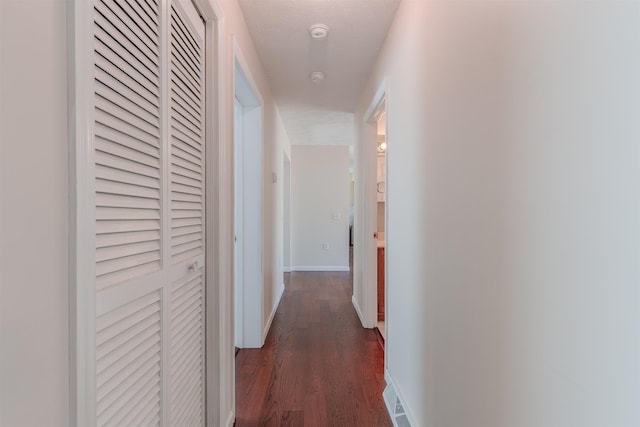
(318, 367)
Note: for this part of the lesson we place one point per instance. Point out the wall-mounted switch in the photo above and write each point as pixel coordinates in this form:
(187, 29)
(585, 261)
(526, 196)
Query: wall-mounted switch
(274, 177)
(325, 246)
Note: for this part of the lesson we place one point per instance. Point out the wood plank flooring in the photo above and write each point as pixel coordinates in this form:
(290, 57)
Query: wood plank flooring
(318, 367)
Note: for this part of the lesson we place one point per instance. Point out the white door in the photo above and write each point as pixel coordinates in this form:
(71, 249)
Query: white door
(148, 347)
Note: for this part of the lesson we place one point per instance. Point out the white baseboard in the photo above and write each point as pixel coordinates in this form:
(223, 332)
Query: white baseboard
(394, 400)
(286, 269)
(358, 311)
(231, 418)
(320, 268)
(267, 326)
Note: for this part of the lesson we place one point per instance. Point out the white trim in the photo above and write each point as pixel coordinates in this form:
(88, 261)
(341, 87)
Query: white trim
(211, 12)
(239, 57)
(377, 99)
(82, 218)
(320, 268)
(231, 419)
(357, 308)
(286, 270)
(267, 326)
(253, 106)
(366, 210)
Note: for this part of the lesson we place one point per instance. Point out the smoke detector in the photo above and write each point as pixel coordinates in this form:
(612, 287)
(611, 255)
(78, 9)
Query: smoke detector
(317, 76)
(319, 31)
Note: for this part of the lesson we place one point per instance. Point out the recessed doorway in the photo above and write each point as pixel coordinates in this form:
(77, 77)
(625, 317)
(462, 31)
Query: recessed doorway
(248, 279)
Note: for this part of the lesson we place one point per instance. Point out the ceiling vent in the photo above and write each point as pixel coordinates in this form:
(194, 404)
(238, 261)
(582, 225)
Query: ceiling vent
(317, 76)
(319, 31)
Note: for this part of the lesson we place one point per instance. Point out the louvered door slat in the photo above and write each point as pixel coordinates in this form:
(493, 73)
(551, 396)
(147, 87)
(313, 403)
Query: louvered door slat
(107, 53)
(187, 119)
(180, 152)
(140, 15)
(188, 107)
(112, 95)
(128, 28)
(116, 144)
(186, 222)
(187, 132)
(190, 182)
(116, 130)
(192, 84)
(123, 51)
(114, 174)
(187, 230)
(118, 239)
(106, 70)
(126, 202)
(181, 31)
(152, 5)
(124, 92)
(142, 328)
(187, 341)
(186, 165)
(185, 237)
(183, 51)
(120, 375)
(136, 362)
(122, 194)
(185, 151)
(117, 116)
(179, 170)
(132, 165)
(185, 62)
(124, 263)
(144, 15)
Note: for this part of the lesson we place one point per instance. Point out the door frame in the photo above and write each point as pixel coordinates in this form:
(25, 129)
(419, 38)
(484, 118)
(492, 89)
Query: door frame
(286, 214)
(366, 209)
(247, 93)
(82, 307)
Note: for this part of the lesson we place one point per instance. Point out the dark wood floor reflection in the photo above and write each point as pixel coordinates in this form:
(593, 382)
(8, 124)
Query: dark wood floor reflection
(318, 367)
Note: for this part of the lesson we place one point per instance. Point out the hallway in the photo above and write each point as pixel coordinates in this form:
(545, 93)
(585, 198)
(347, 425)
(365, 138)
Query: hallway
(318, 366)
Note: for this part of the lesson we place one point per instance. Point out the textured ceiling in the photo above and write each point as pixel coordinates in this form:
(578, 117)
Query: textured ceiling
(318, 113)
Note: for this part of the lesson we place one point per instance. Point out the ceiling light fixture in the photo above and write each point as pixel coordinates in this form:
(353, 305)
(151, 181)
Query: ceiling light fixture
(319, 31)
(317, 76)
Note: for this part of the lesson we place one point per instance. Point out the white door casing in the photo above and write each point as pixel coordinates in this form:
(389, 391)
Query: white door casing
(238, 208)
(366, 258)
(249, 219)
(140, 214)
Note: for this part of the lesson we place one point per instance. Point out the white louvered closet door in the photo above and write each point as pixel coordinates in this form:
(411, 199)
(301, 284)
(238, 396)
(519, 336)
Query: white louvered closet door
(149, 210)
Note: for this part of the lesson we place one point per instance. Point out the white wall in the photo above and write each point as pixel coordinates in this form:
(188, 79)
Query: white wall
(275, 142)
(34, 337)
(319, 207)
(513, 212)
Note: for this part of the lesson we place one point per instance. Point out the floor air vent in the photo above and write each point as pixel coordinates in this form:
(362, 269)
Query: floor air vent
(395, 408)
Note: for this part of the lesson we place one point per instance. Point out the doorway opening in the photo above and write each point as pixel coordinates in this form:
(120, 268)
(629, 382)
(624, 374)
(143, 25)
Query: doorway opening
(248, 277)
(381, 216)
(286, 186)
(373, 213)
